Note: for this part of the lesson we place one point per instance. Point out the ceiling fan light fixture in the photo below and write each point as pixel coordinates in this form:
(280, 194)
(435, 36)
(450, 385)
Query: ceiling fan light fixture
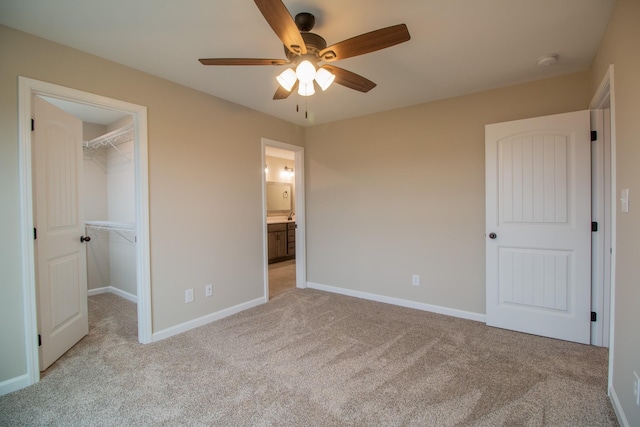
(287, 78)
(306, 89)
(324, 78)
(305, 72)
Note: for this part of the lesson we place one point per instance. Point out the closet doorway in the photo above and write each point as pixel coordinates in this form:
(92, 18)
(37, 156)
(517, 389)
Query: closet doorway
(284, 219)
(109, 203)
(115, 156)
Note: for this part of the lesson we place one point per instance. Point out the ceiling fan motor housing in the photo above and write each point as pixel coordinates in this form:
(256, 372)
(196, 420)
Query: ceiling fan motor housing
(314, 44)
(305, 21)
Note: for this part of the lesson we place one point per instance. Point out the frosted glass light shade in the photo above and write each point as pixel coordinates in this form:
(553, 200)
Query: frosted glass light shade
(306, 89)
(287, 78)
(324, 78)
(305, 72)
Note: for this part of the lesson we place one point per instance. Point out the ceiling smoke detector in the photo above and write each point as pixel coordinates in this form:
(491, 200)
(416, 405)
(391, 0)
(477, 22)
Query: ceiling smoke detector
(546, 60)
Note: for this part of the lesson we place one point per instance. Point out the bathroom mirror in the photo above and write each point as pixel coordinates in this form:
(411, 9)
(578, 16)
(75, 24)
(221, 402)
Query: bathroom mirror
(278, 197)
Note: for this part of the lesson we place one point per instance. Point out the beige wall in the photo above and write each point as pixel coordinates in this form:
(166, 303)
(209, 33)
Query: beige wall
(275, 174)
(205, 227)
(276, 167)
(402, 192)
(94, 196)
(621, 47)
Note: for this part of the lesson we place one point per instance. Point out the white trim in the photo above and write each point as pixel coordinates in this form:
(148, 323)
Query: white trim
(597, 215)
(606, 89)
(26, 231)
(26, 88)
(265, 236)
(113, 290)
(300, 218)
(462, 314)
(301, 222)
(617, 408)
(603, 91)
(601, 213)
(14, 384)
(201, 321)
(143, 257)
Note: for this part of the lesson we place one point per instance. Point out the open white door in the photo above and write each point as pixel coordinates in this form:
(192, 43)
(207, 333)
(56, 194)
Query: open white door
(61, 266)
(538, 225)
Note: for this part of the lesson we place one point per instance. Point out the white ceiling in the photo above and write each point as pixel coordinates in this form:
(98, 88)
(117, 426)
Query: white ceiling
(278, 152)
(87, 113)
(457, 46)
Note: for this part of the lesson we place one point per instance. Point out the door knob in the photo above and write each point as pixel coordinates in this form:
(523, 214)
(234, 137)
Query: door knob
(85, 239)
(492, 235)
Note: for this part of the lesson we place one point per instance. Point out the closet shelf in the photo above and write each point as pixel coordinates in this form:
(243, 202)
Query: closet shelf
(110, 225)
(117, 227)
(114, 138)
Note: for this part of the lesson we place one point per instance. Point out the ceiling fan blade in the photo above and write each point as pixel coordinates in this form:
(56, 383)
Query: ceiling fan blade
(280, 20)
(282, 93)
(365, 43)
(348, 79)
(242, 61)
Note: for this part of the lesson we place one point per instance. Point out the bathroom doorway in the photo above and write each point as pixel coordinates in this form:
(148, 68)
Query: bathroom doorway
(283, 213)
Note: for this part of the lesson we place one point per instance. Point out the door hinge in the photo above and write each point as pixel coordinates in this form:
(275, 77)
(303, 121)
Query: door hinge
(594, 316)
(594, 226)
(33, 125)
(594, 135)
(39, 340)
(35, 233)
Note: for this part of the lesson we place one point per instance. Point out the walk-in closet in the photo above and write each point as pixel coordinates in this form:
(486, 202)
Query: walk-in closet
(109, 205)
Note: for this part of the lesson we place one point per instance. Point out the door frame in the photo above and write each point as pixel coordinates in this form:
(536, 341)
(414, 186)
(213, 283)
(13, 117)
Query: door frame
(301, 253)
(605, 95)
(602, 209)
(26, 89)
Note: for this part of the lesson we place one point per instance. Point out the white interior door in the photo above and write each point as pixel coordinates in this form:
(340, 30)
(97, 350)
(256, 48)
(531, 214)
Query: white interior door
(60, 255)
(538, 225)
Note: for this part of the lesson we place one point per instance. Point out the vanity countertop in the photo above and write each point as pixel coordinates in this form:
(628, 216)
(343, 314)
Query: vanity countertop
(279, 220)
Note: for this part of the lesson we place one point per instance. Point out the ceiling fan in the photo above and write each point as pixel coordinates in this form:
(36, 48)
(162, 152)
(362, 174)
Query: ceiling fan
(309, 54)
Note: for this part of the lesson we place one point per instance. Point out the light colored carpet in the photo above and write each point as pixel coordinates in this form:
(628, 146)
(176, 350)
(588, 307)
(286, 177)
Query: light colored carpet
(309, 358)
(282, 277)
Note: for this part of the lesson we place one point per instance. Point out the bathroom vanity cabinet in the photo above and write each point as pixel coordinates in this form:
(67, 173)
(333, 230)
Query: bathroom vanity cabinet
(281, 238)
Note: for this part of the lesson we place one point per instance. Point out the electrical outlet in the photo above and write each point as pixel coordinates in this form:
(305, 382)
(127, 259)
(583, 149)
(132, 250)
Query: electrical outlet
(415, 280)
(208, 290)
(636, 387)
(188, 295)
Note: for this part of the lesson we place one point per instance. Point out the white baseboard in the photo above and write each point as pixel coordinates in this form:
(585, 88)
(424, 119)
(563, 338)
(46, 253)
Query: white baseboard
(622, 418)
(401, 302)
(113, 290)
(201, 321)
(14, 384)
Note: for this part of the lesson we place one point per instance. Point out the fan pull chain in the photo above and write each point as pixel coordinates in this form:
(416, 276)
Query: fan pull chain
(306, 112)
